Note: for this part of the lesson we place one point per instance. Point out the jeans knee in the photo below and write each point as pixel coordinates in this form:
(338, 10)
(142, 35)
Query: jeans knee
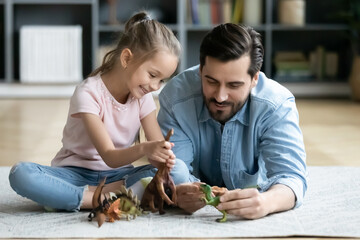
(180, 172)
(19, 175)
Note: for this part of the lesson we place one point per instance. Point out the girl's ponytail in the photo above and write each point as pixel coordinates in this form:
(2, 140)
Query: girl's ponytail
(144, 37)
(141, 16)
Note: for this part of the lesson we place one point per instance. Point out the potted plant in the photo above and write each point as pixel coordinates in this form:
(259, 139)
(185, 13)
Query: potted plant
(352, 18)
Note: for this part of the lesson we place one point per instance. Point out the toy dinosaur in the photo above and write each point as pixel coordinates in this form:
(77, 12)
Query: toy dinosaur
(161, 184)
(213, 201)
(119, 204)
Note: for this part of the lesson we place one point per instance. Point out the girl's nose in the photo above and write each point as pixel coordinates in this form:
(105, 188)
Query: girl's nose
(154, 86)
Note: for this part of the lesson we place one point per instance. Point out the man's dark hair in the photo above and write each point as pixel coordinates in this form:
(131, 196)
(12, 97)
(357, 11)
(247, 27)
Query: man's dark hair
(230, 41)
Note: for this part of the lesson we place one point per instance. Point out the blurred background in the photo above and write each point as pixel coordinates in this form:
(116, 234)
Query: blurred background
(312, 47)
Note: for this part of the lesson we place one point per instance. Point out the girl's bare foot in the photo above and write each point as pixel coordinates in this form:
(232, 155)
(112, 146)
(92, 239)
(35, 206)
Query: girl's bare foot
(89, 193)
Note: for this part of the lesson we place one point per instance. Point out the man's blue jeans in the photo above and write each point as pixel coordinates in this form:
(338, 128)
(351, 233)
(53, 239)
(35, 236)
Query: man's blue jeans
(63, 187)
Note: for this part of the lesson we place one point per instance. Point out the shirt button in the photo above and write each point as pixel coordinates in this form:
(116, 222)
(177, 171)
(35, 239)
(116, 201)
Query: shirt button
(217, 159)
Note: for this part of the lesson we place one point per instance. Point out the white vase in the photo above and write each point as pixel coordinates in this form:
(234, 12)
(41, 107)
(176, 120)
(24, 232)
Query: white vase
(354, 79)
(252, 12)
(291, 12)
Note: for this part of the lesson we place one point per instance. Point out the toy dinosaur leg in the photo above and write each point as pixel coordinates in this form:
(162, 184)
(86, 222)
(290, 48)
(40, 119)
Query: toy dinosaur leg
(152, 204)
(205, 200)
(161, 206)
(173, 191)
(159, 182)
(224, 218)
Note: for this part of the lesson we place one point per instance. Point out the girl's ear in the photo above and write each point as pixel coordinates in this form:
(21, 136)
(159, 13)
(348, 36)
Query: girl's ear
(125, 57)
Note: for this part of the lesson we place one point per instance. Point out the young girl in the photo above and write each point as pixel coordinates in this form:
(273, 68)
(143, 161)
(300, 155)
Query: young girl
(106, 112)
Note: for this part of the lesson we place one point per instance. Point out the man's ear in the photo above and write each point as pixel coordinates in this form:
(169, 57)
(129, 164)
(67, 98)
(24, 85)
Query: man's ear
(125, 57)
(255, 79)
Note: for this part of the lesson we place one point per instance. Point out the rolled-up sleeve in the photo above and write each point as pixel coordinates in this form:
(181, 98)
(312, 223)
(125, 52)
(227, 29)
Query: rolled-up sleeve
(282, 150)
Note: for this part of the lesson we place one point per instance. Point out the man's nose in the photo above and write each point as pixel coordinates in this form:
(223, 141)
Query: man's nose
(221, 95)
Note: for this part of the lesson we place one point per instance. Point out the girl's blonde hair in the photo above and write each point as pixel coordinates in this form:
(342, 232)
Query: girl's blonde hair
(144, 37)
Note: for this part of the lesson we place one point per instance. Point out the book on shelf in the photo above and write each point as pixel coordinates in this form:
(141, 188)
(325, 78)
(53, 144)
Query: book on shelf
(331, 64)
(319, 62)
(216, 11)
(237, 15)
(189, 12)
(206, 12)
(292, 65)
(323, 63)
(194, 11)
(226, 11)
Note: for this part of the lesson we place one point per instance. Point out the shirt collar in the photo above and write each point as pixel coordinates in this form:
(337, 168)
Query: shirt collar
(243, 115)
(204, 115)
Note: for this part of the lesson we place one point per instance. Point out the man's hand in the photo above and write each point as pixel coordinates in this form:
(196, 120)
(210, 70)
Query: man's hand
(246, 203)
(251, 204)
(189, 197)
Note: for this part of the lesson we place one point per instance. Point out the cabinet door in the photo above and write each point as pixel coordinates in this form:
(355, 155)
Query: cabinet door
(2, 42)
(54, 14)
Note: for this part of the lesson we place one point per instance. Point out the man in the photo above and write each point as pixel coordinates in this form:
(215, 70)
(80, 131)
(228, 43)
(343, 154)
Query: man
(235, 128)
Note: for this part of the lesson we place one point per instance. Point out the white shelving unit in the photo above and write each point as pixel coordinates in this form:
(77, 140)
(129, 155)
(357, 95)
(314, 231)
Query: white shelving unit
(91, 14)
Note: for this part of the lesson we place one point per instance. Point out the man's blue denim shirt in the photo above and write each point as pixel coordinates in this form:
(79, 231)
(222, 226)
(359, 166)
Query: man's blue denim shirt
(261, 145)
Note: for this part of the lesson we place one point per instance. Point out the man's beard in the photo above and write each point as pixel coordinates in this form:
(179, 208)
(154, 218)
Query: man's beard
(222, 116)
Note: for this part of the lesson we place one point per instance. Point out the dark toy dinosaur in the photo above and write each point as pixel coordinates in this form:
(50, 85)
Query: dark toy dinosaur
(162, 184)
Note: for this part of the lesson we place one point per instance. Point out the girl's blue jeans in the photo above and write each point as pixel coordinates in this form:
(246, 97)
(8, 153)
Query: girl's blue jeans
(63, 187)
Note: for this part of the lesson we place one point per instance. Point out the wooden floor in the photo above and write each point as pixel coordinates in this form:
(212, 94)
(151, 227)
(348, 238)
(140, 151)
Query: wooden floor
(31, 130)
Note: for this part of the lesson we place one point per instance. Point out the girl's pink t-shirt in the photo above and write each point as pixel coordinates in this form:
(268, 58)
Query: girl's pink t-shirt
(122, 122)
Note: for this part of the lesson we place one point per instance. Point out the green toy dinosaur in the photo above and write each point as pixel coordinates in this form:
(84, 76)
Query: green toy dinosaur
(213, 201)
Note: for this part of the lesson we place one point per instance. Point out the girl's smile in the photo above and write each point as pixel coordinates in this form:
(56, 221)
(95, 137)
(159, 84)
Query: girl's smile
(144, 90)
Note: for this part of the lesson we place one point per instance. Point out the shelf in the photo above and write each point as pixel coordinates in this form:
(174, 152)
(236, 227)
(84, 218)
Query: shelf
(18, 90)
(318, 89)
(194, 27)
(93, 15)
(2, 41)
(62, 2)
(121, 27)
(309, 27)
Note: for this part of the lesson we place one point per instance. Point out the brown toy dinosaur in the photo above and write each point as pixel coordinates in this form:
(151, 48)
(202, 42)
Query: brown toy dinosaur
(162, 183)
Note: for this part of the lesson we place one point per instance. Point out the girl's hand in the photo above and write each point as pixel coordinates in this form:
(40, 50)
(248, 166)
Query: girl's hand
(159, 152)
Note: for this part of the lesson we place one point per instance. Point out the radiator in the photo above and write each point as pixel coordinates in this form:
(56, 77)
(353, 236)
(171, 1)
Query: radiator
(50, 54)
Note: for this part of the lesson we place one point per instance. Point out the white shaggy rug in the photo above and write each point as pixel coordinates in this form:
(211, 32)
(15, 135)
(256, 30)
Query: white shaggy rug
(331, 208)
